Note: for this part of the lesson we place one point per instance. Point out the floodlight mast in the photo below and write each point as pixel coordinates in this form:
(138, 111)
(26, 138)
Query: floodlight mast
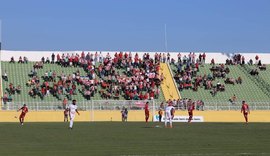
(165, 35)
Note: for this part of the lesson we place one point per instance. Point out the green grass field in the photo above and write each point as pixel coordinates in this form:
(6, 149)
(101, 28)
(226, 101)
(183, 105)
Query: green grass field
(134, 138)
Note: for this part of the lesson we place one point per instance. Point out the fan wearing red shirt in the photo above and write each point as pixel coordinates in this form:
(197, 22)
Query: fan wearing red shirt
(245, 110)
(23, 113)
(146, 112)
(191, 107)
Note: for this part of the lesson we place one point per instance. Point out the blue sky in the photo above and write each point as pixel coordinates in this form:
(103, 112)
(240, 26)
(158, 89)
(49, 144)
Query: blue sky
(136, 25)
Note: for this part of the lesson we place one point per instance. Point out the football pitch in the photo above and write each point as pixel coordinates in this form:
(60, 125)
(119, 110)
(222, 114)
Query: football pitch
(134, 138)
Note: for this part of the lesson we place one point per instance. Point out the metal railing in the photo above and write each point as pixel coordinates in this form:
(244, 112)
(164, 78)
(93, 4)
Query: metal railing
(83, 105)
(132, 105)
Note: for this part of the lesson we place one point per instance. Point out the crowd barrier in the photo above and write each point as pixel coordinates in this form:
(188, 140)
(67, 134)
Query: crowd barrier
(110, 110)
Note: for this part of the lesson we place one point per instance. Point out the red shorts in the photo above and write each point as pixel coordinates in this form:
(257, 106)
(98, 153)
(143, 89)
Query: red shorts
(190, 113)
(245, 113)
(22, 115)
(146, 113)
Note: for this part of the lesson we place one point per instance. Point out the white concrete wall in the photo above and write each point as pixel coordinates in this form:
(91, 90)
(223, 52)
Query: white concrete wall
(37, 55)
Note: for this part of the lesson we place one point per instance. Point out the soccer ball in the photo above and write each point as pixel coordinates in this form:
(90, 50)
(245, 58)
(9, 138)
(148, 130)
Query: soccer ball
(15, 116)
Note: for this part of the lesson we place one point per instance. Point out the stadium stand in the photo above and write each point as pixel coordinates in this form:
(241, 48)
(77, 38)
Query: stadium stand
(117, 77)
(113, 83)
(248, 89)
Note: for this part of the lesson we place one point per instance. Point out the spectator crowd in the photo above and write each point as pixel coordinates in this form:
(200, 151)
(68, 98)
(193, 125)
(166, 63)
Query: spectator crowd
(126, 75)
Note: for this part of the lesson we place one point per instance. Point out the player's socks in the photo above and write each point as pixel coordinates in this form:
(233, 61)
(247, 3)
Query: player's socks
(71, 123)
(170, 123)
(246, 119)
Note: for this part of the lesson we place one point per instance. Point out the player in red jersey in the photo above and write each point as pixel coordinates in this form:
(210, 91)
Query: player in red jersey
(190, 108)
(24, 111)
(66, 112)
(245, 110)
(146, 111)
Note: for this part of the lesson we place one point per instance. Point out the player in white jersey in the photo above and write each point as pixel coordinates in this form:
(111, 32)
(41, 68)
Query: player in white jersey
(72, 111)
(169, 114)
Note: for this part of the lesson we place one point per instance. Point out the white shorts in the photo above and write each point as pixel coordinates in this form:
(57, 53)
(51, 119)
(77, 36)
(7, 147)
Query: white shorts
(168, 115)
(72, 116)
